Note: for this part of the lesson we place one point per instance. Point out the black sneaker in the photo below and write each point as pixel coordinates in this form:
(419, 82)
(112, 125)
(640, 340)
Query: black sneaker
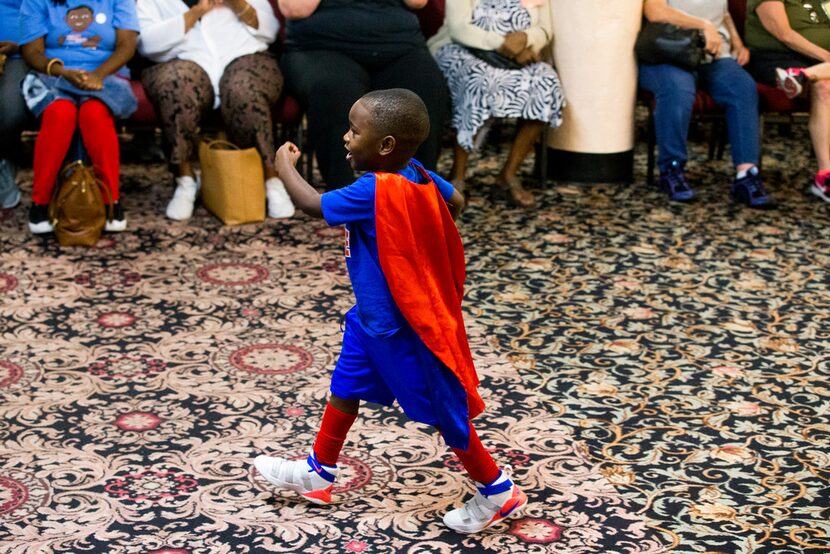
(39, 223)
(749, 190)
(673, 182)
(118, 222)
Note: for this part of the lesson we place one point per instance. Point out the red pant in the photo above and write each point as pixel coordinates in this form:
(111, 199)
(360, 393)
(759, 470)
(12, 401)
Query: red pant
(57, 126)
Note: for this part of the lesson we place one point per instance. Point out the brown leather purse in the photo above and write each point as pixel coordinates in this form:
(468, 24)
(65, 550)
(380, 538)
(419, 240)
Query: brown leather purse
(78, 211)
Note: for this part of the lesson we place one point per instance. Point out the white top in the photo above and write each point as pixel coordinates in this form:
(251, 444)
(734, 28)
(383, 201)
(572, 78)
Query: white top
(213, 42)
(711, 10)
(458, 27)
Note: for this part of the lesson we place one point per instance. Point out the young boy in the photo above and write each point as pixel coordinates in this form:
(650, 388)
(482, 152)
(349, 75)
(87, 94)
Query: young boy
(405, 339)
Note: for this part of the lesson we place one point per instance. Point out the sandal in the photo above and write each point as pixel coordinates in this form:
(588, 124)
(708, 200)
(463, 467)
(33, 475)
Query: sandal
(516, 194)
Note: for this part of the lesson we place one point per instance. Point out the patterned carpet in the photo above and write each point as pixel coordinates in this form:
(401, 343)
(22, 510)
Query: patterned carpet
(656, 374)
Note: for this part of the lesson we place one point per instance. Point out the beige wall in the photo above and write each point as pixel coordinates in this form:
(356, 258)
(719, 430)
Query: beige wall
(594, 54)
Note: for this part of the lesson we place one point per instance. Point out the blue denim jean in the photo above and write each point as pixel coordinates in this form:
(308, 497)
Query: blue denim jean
(674, 93)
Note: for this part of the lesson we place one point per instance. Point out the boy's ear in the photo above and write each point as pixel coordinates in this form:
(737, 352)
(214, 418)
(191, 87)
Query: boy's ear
(387, 145)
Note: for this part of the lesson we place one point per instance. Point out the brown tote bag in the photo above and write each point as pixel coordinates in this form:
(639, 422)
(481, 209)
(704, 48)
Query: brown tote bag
(77, 211)
(233, 184)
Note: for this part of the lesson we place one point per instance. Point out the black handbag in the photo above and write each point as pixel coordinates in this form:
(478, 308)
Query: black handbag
(493, 58)
(665, 43)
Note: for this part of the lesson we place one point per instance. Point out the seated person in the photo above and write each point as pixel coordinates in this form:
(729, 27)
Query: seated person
(77, 84)
(338, 50)
(527, 89)
(793, 37)
(721, 76)
(212, 54)
(13, 115)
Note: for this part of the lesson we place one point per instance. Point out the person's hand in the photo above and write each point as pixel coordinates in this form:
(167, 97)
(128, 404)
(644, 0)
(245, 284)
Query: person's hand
(713, 38)
(236, 6)
(204, 6)
(8, 48)
(741, 54)
(77, 77)
(513, 44)
(527, 56)
(287, 156)
(93, 81)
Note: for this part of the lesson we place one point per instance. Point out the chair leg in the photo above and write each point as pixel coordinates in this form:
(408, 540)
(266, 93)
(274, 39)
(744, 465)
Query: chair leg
(713, 138)
(723, 138)
(651, 144)
(543, 159)
(760, 141)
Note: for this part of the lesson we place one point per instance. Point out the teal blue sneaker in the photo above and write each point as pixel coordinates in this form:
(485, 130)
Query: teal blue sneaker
(9, 193)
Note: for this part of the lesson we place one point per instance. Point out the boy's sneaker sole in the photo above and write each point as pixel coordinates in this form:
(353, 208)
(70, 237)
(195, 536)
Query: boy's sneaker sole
(817, 191)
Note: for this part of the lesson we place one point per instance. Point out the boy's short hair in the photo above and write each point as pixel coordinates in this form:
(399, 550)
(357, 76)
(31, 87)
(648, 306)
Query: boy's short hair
(398, 112)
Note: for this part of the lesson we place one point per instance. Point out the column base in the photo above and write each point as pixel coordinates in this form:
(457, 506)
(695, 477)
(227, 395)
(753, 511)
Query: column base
(617, 167)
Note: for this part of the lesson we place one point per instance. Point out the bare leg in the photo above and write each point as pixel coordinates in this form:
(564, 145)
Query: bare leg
(818, 71)
(459, 166)
(185, 169)
(345, 406)
(526, 136)
(819, 124)
(269, 169)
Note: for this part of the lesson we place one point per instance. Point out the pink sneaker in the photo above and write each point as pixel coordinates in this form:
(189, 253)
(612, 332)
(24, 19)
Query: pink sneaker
(821, 185)
(792, 81)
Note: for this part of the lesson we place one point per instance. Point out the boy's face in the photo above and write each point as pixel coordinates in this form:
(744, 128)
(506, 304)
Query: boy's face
(362, 140)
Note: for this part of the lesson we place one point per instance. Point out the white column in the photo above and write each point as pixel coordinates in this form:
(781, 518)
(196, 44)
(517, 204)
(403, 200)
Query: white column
(594, 55)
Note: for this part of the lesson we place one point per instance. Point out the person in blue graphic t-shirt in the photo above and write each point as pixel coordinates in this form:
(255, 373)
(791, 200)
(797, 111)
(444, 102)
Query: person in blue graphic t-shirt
(78, 50)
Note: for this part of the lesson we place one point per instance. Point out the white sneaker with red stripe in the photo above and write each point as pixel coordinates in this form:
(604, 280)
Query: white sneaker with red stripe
(491, 504)
(308, 477)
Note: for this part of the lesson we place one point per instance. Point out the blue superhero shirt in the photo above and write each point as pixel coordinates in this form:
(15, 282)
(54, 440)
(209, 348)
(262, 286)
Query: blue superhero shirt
(9, 16)
(354, 205)
(80, 32)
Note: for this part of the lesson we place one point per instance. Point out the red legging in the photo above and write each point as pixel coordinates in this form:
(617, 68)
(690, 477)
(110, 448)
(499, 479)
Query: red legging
(57, 126)
(336, 424)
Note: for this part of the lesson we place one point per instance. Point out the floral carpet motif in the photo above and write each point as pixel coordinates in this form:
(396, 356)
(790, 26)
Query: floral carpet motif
(656, 374)
(685, 346)
(139, 379)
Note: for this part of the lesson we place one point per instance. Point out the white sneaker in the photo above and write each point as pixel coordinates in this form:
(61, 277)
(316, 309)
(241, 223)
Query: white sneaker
(118, 222)
(307, 477)
(279, 203)
(180, 207)
(491, 504)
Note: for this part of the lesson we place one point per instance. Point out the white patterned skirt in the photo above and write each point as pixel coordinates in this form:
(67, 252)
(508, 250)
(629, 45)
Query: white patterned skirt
(480, 92)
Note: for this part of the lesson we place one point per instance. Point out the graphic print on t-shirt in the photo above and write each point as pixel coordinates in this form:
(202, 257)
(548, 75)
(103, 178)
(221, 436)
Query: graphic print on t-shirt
(79, 19)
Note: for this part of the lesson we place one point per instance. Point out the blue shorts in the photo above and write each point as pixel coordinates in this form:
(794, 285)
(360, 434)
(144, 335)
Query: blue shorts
(400, 367)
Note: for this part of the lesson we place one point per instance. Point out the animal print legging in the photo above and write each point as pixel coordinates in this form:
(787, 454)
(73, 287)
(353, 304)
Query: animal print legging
(181, 93)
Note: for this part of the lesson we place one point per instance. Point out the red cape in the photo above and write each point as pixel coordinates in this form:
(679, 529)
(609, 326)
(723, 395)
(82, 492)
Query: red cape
(422, 259)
